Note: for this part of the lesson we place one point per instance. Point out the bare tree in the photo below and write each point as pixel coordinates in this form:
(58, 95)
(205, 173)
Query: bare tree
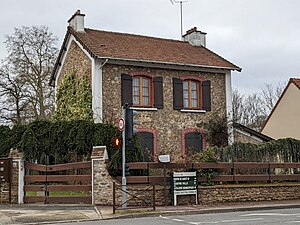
(252, 110)
(31, 56)
(271, 94)
(12, 95)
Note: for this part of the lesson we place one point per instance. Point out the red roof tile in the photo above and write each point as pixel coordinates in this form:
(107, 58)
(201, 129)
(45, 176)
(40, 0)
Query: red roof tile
(144, 48)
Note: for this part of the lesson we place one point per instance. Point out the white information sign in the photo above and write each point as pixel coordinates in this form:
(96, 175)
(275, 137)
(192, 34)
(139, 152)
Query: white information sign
(184, 183)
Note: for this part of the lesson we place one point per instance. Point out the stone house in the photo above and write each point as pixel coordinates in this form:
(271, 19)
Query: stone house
(175, 85)
(284, 119)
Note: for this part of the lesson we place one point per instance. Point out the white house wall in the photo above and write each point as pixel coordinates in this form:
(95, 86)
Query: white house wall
(285, 119)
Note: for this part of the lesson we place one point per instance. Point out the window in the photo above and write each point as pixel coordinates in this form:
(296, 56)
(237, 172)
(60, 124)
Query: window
(147, 144)
(141, 91)
(191, 94)
(193, 142)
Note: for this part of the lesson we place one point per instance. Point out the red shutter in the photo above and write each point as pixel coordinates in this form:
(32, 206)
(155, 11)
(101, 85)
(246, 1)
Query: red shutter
(177, 94)
(158, 93)
(206, 95)
(126, 89)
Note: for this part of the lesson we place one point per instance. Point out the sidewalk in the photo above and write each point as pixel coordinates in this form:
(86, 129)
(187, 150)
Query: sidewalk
(47, 214)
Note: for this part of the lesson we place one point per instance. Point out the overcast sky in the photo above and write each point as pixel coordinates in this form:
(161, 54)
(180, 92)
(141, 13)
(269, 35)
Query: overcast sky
(260, 36)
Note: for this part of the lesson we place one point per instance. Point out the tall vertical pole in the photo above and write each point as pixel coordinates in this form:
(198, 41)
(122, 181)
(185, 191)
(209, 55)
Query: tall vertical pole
(123, 161)
(181, 18)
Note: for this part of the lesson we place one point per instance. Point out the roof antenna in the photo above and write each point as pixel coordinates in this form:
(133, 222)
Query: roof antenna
(180, 2)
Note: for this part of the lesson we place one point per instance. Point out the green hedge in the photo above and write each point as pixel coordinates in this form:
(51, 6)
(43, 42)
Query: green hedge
(57, 139)
(283, 150)
(62, 140)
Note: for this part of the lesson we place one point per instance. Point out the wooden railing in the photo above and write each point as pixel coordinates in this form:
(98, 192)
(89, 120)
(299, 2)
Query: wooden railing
(225, 172)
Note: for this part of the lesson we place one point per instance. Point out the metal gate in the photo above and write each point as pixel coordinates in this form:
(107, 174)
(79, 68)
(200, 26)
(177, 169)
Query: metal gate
(62, 183)
(6, 177)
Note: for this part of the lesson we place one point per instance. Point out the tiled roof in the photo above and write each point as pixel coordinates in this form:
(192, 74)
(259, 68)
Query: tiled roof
(143, 48)
(252, 132)
(296, 81)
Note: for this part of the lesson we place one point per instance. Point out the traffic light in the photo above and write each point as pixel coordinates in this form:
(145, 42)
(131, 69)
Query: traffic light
(117, 143)
(130, 131)
(126, 169)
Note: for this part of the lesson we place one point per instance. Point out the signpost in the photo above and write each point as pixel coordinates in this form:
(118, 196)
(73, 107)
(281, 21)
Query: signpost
(184, 183)
(165, 159)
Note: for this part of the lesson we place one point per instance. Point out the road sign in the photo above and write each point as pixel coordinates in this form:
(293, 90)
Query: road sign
(184, 183)
(121, 124)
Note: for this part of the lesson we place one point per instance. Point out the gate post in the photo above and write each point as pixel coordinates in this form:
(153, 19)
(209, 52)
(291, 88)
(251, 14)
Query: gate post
(102, 182)
(18, 173)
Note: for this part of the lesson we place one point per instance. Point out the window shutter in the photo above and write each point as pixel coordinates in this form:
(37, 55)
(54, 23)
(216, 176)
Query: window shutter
(158, 93)
(206, 95)
(177, 94)
(126, 89)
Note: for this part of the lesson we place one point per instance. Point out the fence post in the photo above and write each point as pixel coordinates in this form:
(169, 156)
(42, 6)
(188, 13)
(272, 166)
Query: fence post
(153, 192)
(114, 197)
(269, 172)
(233, 172)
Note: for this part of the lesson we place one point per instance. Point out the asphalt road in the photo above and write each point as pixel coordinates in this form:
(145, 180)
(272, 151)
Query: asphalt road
(279, 216)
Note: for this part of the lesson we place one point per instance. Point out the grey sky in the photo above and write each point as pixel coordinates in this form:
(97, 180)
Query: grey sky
(261, 36)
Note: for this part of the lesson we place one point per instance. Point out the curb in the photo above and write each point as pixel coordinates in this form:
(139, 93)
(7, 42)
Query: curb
(202, 211)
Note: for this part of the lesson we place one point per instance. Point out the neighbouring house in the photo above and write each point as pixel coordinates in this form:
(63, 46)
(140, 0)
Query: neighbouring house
(247, 135)
(175, 85)
(284, 119)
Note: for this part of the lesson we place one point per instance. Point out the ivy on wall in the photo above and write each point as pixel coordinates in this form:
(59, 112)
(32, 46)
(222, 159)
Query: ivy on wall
(74, 98)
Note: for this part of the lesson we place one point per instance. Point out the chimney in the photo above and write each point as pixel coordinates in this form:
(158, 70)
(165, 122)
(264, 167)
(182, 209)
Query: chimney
(77, 21)
(195, 37)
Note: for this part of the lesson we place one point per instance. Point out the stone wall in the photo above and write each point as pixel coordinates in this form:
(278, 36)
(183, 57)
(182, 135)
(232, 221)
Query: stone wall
(242, 193)
(168, 123)
(103, 189)
(76, 61)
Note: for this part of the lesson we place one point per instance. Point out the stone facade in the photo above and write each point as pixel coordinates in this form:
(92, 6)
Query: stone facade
(169, 123)
(76, 61)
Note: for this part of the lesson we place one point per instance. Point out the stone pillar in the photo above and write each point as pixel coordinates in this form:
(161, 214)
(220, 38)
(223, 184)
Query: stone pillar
(102, 182)
(18, 172)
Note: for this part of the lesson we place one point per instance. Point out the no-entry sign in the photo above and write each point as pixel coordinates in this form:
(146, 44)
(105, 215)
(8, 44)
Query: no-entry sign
(121, 124)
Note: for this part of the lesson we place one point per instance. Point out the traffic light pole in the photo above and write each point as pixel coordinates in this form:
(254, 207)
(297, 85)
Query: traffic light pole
(123, 161)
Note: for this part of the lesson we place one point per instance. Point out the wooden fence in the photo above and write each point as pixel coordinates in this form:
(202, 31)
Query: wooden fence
(223, 172)
(55, 178)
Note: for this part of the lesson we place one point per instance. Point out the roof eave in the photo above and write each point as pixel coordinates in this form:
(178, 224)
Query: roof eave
(170, 63)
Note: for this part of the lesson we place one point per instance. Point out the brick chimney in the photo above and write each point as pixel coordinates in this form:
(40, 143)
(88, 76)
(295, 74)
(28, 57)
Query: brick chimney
(77, 21)
(195, 37)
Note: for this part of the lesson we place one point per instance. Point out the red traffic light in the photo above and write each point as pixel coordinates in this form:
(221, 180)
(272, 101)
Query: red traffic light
(117, 142)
